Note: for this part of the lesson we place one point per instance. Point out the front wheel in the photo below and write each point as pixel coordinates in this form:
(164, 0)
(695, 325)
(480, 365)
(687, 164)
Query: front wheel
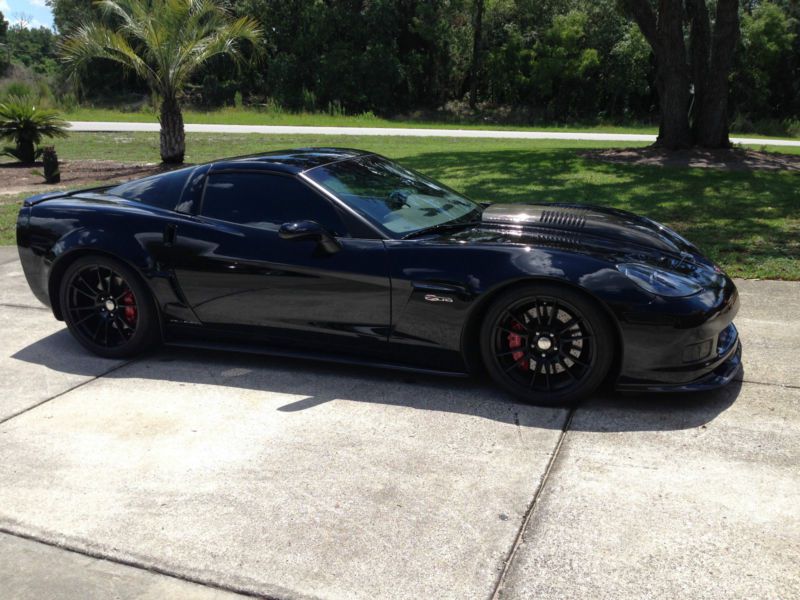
(107, 308)
(546, 344)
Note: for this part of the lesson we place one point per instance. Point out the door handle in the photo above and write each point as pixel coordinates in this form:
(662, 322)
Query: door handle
(169, 234)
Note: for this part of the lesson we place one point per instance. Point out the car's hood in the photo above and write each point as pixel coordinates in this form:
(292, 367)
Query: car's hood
(585, 223)
(609, 234)
(580, 228)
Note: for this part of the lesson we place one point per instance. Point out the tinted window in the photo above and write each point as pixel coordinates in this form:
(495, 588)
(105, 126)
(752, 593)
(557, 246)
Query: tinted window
(266, 201)
(398, 199)
(162, 190)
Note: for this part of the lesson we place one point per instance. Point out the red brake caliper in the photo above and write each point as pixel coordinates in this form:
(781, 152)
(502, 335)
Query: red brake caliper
(128, 311)
(515, 341)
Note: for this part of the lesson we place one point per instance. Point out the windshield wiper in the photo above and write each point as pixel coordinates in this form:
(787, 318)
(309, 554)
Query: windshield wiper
(440, 227)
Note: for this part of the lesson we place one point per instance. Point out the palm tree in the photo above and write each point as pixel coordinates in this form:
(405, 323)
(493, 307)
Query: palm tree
(164, 42)
(25, 124)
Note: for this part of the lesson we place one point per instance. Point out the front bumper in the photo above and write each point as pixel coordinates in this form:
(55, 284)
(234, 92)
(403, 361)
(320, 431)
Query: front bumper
(729, 367)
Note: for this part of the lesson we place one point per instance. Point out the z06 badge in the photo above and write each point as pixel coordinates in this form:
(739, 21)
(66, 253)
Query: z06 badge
(435, 298)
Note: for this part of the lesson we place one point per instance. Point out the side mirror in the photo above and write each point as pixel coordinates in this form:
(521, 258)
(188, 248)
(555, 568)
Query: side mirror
(309, 230)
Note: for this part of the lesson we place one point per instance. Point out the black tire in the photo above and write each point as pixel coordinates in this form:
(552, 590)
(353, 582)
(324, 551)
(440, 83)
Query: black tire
(107, 307)
(546, 344)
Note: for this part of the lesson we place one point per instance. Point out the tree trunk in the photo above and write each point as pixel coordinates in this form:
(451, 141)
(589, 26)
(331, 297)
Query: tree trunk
(673, 75)
(477, 48)
(173, 137)
(700, 48)
(708, 71)
(26, 151)
(712, 116)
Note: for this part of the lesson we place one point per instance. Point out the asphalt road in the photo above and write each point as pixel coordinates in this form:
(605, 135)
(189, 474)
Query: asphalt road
(198, 475)
(402, 131)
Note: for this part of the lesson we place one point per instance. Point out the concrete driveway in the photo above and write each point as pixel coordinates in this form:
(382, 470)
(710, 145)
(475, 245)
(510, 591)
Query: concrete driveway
(191, 474)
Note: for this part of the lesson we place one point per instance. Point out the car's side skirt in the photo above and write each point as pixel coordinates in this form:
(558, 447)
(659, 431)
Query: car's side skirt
(344, 359)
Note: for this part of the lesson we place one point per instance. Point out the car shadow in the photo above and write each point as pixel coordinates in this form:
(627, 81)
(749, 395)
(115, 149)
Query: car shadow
(318, 383)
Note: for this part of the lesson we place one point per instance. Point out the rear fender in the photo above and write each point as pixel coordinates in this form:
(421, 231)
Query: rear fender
(82, 242)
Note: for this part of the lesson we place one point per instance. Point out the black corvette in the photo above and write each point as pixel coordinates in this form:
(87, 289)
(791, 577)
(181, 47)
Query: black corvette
(343, 255)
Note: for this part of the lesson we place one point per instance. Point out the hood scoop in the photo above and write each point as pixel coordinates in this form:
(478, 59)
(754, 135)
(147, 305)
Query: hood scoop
(564, 220)
(589, 221)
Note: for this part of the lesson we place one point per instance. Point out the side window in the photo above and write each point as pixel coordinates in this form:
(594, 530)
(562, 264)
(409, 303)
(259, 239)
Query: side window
(162, 190)
(266, 201)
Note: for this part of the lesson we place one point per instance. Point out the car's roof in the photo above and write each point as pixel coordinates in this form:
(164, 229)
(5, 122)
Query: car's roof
(295, 160)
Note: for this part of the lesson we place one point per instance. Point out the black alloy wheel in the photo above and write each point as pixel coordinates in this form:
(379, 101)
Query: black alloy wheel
(546, 344)
(107, 308)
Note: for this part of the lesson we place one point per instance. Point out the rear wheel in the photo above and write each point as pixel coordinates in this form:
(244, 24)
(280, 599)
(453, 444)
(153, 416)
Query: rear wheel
(546, 344)
(107, 308)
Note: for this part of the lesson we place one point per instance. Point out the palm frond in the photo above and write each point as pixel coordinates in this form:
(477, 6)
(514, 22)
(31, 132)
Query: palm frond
(163, 41)
(224, 39)
(98, 41)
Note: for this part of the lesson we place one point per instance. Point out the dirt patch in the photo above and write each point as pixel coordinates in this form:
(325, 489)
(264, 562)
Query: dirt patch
(736, 159)
(19, 179)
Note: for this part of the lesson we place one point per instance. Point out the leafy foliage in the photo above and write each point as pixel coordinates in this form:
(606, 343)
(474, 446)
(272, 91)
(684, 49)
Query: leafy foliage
(26, 125)
(33, 47)
(4, 62)
(765, 84)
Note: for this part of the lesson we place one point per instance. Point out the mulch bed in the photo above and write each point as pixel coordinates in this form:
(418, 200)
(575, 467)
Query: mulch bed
(735, 159)
(18, 179)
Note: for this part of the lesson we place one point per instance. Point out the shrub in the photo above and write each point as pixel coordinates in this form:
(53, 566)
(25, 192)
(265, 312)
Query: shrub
(335, 108)
(308, 100)
(272, 106)
(68, 102)
(792, 127)
(19, 89)
(24, 124)
(741, 124)
(52, 174)
(770, 127)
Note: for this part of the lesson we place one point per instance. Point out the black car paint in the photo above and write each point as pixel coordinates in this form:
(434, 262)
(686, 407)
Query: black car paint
(416, 302)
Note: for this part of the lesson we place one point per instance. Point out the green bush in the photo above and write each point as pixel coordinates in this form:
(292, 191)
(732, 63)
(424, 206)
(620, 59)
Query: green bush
(792, 127)
(19, 89)
(24, 124)
(68, 102)
(335, 108)
(309, 100)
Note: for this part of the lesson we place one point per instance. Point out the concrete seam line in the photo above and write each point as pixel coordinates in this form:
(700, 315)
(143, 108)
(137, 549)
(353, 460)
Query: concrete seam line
(133, 564)
(24, 306)
(783, 385)
(526, 519)
(67, 391)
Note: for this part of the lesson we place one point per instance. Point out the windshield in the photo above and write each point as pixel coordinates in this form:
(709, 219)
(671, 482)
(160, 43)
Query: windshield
(400, 201)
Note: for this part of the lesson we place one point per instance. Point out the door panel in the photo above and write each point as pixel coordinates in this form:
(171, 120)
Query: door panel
(250, 281)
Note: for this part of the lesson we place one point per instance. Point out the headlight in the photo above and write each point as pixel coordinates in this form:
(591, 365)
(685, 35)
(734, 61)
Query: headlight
(656, 281)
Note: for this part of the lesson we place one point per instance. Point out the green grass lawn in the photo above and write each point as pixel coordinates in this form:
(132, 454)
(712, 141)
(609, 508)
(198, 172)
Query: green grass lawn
(747, 221)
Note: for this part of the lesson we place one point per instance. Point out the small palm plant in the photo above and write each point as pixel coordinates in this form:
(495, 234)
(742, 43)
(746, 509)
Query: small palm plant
(24, 124)
(164, 42)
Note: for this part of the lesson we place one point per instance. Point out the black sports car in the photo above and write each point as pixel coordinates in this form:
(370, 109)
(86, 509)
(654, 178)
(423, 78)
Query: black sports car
(344, 255)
